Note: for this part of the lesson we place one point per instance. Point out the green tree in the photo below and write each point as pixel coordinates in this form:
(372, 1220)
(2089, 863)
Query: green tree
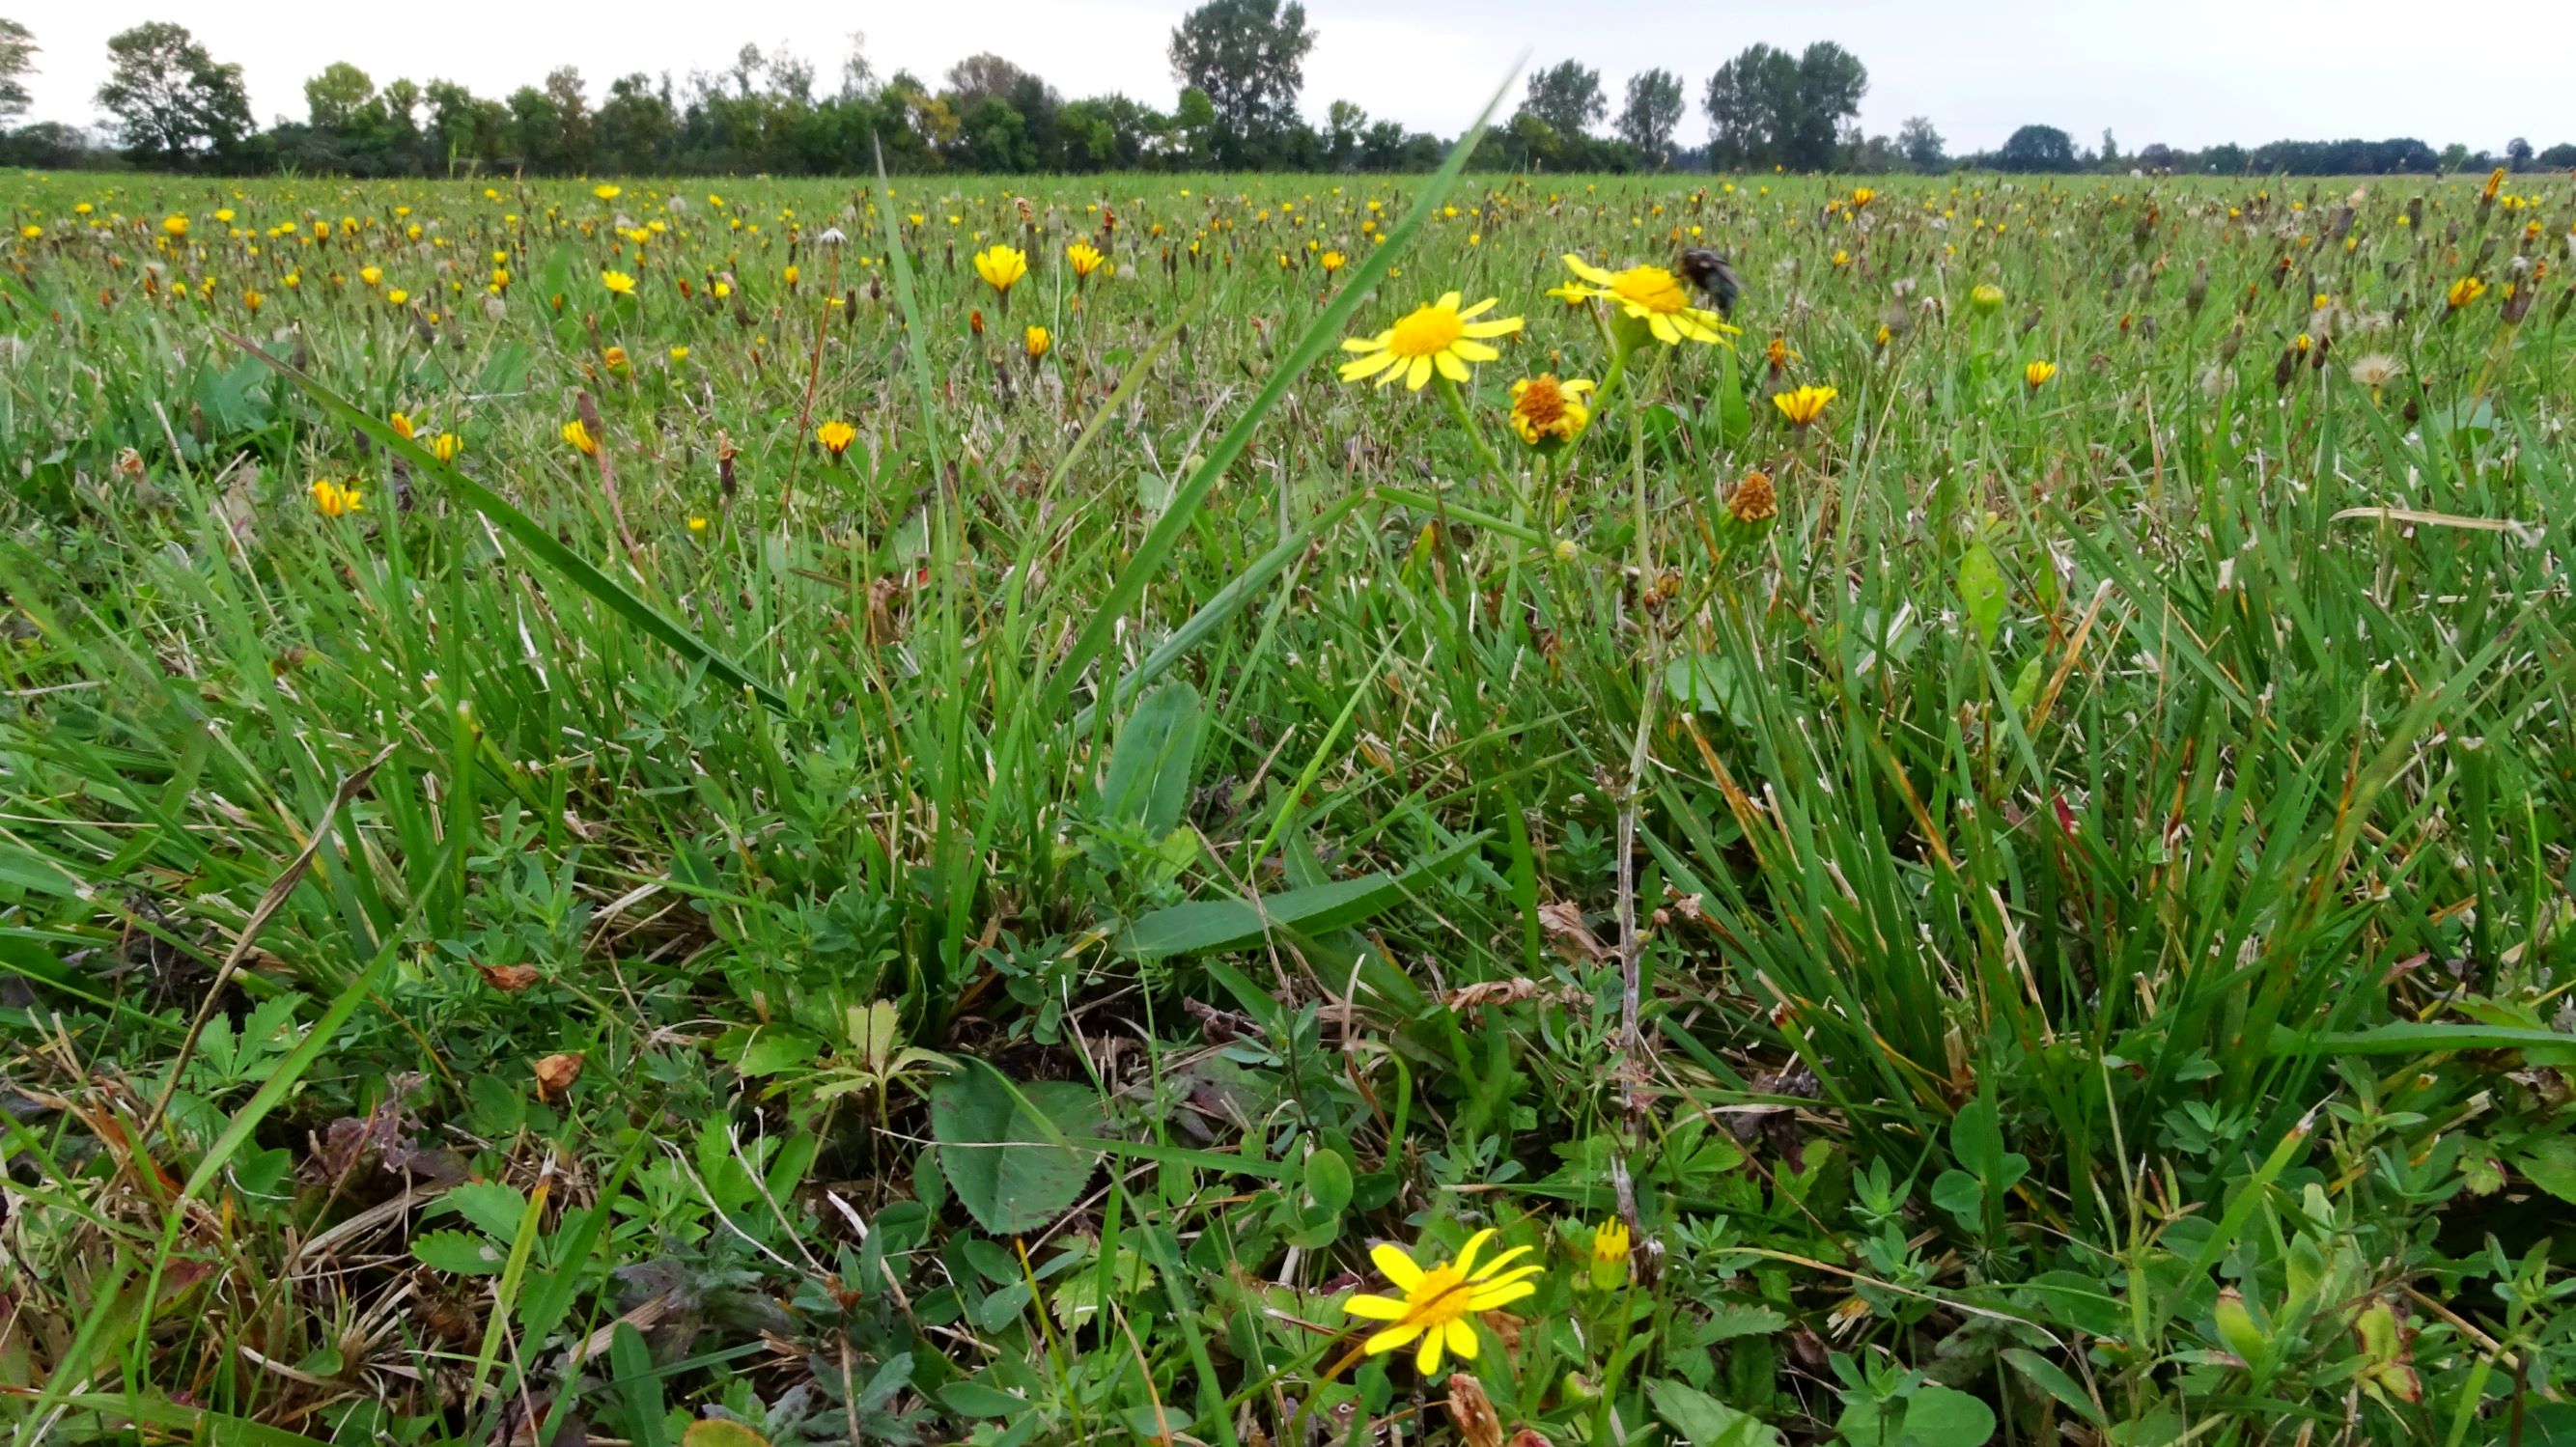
(17, 60)
(1249, 58)
(2037, 148)
(1831, 81)
(1566, 96)
(1751, 103)
(171, 101)
(1652, 114)
(635, 127)
(979, 78)
(334, 99)
(1344, 124)
(1921, 145)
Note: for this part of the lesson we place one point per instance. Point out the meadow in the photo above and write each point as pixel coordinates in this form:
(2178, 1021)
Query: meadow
(1044, 811)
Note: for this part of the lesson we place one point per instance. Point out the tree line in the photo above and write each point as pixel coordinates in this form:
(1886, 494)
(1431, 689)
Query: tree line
(1239, 66)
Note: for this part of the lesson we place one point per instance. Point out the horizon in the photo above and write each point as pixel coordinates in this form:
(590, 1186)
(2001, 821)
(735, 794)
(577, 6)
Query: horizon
(2176, 84)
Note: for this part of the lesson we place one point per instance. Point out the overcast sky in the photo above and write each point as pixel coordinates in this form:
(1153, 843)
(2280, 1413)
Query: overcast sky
(2186, 72)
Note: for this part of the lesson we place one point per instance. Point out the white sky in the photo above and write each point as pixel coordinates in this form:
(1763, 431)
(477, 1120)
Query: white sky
(2187, 72)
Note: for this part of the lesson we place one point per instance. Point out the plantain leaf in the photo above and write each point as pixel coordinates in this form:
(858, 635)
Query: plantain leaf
(1234, 924)
(522, 529)
(1004, 1147)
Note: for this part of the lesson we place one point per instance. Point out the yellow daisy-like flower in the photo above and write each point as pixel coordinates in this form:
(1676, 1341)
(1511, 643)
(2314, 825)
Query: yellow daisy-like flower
(175, 225)
(607, 192)
(1437, 1303)
(1804, 404)
(836, 436)
(1651, 295)
(1548, 413)
(1036, 342)
(619, 282)
(445, 446)
(1331, 261)
(1084, 258)
(2464, 291)
(2038, 373)
(332, 500)
(1001, 267)
(400, 422)
(580, 438)
(1435, 337)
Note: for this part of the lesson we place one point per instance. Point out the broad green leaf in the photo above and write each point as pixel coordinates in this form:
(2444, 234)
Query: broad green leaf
(1938, 1416)
(1147, 784)
(2551, 1165)
(1003, 1148)
(716, 1432)
(1235, 924)
(1700, 1420)
(492, 1205)
(1707, 683)
(1981, 589)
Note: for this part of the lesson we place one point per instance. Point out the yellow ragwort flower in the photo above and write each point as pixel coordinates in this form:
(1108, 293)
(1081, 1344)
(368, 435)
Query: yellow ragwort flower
(1331, 261)
(1651, 295)
(836, 436)
(1084, 258)
(580, 438)
(1438, 1302)
(1548, 413)
(2038, 373)
(1001, 267)
(1436, 336)
(619, 282)
(175, 225)
(332, 500)
(1804, 404)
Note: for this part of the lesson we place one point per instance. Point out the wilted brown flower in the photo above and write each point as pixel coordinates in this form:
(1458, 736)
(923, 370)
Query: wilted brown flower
(1752, 499)
(1472, 1412)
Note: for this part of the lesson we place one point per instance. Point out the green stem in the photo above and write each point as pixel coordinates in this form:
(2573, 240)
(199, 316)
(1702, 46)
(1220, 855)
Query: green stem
(1458, 409)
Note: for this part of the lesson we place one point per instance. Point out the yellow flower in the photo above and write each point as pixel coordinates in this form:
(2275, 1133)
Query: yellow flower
(1610, 1255)
(1436, 336)
(607, 192)
(1331, 261)
(836, 436)
(371, 274)
(31, 231)
(2464, 291)
(790, 275)
(679, 354)
(1841, 257)
(1001, 267)
(1862, 196)
(580, 438)
(400, 422)
(332, 500)
(1548, 413)
(697, 524)
(1987, 296)
(445, 446)
(1651, 295)
(1037, 341)
(619, 282)
(1803, 405)
(397, 297)
(177, 225)
(2038, 373)
(1083, 257)
(614, 359)
(1438, 1302)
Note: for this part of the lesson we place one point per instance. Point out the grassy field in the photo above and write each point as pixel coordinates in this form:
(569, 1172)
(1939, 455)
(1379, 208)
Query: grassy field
(641, 814)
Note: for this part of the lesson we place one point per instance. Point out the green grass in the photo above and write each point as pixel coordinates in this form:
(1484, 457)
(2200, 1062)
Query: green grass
(2064, 930)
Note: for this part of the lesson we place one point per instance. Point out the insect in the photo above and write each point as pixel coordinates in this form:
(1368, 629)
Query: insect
(1707, 270)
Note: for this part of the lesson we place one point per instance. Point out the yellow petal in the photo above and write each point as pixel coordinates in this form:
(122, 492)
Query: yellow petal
(1467, 1254)
(1399, 1268)
(1417, 374)
(1391, 1338)
(1368, 366)
(1494, 1296)
(1478, 309)
(1376, 1308)
(1461, 1338)
(1448, 302)
(1587, 270)
(1427, 1360)
(1486, 1272)
(1449, 364)
(1662, 327)
(1364, 344)
(1476, 352)
(1503, 327)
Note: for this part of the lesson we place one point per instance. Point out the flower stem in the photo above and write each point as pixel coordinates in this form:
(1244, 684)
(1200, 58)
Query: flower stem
(1458, 409)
